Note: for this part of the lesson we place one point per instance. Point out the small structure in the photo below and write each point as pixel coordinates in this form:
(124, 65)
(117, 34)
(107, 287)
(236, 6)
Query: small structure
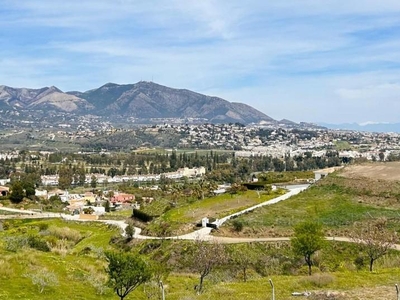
(122, 198)
(5, 181)
(64, 195)
(4, 191)
(41, 193)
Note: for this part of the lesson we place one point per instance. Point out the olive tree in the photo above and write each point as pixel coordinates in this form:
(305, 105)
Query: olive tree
(126, 272)
(374, 238)
(308, 238)
(204, 257)
(242, 257)
(43, 278)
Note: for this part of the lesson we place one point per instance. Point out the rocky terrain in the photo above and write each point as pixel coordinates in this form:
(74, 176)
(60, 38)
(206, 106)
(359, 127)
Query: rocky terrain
(143, 100)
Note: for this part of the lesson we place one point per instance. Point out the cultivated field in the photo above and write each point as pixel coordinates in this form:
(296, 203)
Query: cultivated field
(384, 171)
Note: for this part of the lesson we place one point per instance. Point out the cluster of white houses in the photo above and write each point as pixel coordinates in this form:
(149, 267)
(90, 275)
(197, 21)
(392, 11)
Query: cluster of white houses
(52, 180)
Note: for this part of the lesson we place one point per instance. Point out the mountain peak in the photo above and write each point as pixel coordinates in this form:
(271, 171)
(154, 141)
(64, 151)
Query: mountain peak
(142, 100)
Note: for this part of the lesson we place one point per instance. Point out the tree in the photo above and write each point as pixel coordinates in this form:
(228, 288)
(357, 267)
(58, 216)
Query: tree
(130, 231)
(308, 238)
(107, 206)
(65, 177)
(204, 257)
(93, 182)
(29, 188)
(17, 192)
(268, 188)
(81, 176)
(242, 257)
(126, 272)
(374, 238)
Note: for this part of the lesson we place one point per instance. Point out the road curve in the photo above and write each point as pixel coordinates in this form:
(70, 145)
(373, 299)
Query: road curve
(202, 234)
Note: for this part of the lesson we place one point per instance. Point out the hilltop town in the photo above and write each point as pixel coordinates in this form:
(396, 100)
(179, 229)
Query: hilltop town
(264, 139)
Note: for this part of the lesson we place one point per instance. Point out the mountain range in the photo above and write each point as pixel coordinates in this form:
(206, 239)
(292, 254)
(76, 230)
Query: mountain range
(143, 100)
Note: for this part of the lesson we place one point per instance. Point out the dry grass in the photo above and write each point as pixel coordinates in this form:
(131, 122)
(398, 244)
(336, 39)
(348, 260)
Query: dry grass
(377, 170)
(318, 280)
(65, 233)
(6, 269)
(369, 293)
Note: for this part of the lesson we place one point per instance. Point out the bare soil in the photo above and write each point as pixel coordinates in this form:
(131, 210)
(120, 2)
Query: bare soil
(377, 170)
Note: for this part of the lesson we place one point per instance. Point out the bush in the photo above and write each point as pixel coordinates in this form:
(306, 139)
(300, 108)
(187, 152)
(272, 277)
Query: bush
(6, 225)
(130, 231)
(42, 279)
(141, 215)
(237, 225)
(359, 262)
(43, 226)
(37, 243)
(15, 243)
(88, 211)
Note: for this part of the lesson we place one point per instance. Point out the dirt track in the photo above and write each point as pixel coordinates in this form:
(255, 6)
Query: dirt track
(378, 170)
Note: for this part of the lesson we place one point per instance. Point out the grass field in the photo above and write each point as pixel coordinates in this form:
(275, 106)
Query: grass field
(184, 216)
(336, 202)
(76, 257)
(77, 274)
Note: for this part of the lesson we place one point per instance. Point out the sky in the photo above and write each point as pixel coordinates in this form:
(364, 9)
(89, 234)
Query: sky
(329, 61)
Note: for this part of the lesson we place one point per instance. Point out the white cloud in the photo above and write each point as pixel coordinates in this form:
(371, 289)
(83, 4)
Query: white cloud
(306, 60)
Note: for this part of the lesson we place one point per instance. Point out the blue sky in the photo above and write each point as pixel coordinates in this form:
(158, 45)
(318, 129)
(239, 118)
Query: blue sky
(307, 60)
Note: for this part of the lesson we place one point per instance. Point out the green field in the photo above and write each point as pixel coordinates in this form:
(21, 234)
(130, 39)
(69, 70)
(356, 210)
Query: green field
(184, 216)
(77, 257)
(333, 202)
(80, 269)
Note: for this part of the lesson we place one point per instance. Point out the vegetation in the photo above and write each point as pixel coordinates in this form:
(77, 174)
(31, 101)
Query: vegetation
(308, 238)
(126, 272)
(59, 259)
(375, 239)
(335, 202)
(203, 257)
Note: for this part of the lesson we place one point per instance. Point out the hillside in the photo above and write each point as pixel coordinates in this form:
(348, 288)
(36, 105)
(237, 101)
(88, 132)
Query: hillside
(143, 100)
(151, 100)
(44, 98)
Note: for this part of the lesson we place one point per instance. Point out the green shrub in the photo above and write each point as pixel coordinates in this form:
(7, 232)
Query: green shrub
(37, 243)
(6, 225)
(237, 225)
(43, 226)
(359, 262)
(141, 215)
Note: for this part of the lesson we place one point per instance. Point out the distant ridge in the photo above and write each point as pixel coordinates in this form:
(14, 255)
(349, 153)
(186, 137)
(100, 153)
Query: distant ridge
(369, 127)
(144, 100)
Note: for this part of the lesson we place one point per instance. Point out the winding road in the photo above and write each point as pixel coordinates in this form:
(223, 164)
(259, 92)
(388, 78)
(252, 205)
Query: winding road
(201, 234)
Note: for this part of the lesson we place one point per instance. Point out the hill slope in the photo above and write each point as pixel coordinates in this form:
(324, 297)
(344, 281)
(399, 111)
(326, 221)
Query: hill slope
(151, 100)
(44, 98)
(143, 100)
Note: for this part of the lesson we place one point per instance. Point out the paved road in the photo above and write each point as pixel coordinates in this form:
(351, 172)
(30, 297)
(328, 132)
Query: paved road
(203, 233)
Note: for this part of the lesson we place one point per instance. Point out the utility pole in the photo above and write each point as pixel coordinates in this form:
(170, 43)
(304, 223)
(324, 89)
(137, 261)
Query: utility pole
(273, 289)
(397, 291)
